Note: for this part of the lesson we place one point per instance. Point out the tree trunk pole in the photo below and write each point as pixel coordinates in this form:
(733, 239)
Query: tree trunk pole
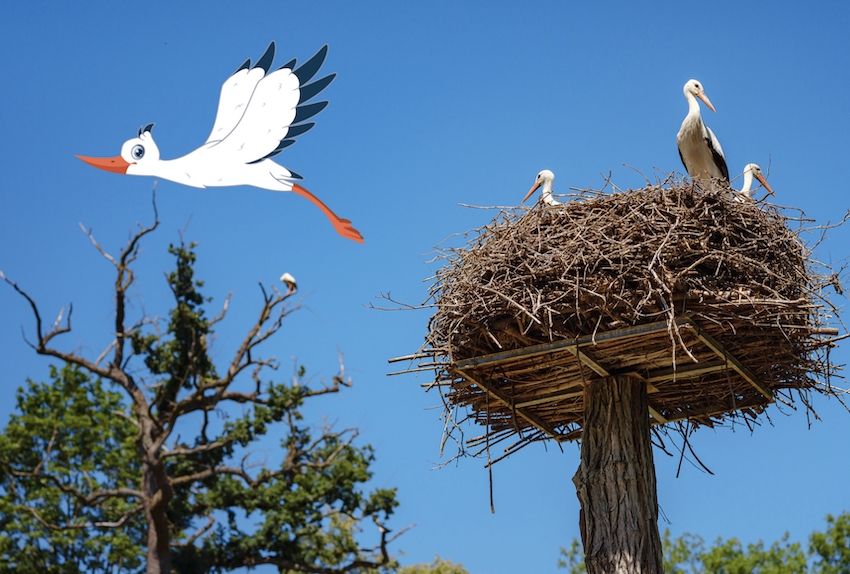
(615, 481)
(159, 539)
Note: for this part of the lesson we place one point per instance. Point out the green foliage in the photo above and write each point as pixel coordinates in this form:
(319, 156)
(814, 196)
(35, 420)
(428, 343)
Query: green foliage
(438, 566)
(730, 557)
(831, 549)
(66, 429)
(182, 356)
(309, 510)
(828, 553)
(72, 460)
(573, 558)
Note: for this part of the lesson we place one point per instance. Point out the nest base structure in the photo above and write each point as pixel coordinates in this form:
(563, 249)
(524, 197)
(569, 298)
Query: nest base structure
(725, 384)
(715, 303)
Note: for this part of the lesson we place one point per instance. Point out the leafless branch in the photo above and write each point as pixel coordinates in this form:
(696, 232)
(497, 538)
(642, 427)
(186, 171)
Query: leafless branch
(200, 532)
(80, 526)
(97, 246)
(223, 310)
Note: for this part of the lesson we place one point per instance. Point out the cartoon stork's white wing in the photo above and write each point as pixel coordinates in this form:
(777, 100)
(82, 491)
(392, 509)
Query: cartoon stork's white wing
(236, 93)
(277, 109)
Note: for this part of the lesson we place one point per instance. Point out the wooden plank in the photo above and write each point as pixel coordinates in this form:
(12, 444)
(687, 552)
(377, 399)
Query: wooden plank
(499, 396)
(543, 348)
(549, 399)
(589, 361)
(721, 352)
(659, 419)
(687, 371)
(694, 414)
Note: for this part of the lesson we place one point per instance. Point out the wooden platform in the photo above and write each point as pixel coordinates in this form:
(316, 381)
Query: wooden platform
(691, 375)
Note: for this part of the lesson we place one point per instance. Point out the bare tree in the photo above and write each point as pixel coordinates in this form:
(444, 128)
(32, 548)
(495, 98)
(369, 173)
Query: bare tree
(188, 492)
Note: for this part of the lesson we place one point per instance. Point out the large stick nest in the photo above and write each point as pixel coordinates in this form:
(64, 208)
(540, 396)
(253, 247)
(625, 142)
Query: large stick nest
(711, 270)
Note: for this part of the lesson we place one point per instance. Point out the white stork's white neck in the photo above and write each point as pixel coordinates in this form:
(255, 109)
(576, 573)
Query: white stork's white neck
(546, 193)
(748, 181)
(751, 171)
(693, 105)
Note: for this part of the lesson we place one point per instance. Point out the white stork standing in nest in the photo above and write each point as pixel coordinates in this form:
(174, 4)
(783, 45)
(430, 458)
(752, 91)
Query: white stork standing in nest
(751, 171)
(698, 147)
(544, 178)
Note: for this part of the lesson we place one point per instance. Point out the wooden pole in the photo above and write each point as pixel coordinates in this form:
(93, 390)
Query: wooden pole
(615, 481)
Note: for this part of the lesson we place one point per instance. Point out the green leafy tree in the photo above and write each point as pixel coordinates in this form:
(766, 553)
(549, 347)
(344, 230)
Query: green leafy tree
(828, 553)
(831, 549)
(195, 504)
(438, 566)
(61, 458)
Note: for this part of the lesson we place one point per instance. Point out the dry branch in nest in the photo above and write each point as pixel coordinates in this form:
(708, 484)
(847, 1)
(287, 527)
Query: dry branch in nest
(717, 304)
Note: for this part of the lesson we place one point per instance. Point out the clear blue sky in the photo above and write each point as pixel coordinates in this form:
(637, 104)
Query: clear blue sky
(436, 103)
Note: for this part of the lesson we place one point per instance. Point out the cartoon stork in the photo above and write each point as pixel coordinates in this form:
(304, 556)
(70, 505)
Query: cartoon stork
(259, 114)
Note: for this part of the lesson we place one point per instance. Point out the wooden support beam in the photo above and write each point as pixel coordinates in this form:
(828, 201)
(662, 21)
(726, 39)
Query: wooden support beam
(659, 419)
(562, 345)
(554, 397)
(721, 352)
(589, 361)
(693, 414)
(499, 396)
(687, 371)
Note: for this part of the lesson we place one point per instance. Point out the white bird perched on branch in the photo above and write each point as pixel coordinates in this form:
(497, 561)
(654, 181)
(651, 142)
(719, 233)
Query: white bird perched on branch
(289, 280)
(699, 149)
(544, 178)
(751, 171)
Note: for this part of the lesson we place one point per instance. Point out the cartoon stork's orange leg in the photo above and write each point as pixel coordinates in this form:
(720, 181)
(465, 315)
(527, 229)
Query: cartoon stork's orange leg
(342, 226)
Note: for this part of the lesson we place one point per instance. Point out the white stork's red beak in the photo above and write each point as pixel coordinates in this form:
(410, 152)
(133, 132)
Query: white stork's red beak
(115, 164)
(763, 181)
(704, 98)
(532, 190)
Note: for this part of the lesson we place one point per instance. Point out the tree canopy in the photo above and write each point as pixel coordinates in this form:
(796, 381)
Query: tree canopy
(828, 552)
(138, 459)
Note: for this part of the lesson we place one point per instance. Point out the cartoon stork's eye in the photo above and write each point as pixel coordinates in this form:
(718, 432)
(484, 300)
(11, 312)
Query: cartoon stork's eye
(138, 152)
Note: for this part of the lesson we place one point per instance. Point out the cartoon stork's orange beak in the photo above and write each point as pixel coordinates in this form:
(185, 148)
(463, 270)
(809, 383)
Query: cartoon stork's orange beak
(117, 164)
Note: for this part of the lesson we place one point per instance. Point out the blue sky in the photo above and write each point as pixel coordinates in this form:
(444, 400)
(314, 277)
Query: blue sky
(436, 104)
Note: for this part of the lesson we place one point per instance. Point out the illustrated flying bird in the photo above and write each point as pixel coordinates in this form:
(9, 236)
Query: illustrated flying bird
(699, 149)
(544, 178)
(260, 112)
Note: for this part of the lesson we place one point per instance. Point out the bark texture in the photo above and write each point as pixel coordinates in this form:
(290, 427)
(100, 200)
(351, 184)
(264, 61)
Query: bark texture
(616, 480)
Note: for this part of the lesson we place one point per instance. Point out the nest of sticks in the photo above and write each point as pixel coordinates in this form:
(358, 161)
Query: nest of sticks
(716, 303)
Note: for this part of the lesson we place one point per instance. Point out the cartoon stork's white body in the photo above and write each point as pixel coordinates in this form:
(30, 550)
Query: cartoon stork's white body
(259, 114)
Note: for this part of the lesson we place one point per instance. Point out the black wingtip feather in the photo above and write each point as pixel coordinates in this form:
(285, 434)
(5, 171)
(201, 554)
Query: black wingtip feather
(290, 64)
(280, 147)
(246, 65)
(305, 112)
(265, 61)
(311, 66)
(295, 131)
(311, 90)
